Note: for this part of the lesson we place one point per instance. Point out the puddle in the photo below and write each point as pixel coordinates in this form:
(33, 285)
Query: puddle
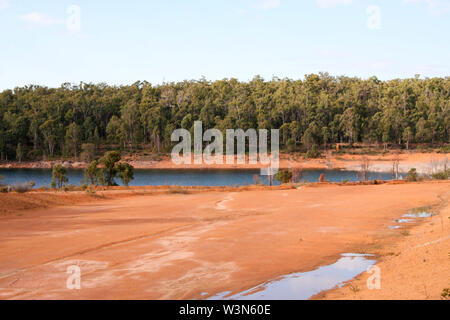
(405, 220)
(411, 217)
(304, 285)
(422, 214)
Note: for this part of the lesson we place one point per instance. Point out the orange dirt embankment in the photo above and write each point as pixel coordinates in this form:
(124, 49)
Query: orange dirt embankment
(191, 246)
(11, 203)
(423, 162)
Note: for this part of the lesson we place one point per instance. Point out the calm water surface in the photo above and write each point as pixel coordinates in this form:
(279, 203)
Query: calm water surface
(156, 177)
(304, 285)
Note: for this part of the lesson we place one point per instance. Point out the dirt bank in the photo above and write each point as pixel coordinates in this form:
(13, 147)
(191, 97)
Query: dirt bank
(425, 163)
(191, 246)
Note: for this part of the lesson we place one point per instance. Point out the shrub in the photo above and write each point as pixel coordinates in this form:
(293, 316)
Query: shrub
(92, 173)
(177, 190)
(23, 187)
(91, 191)
(291, 145)
(126, 173)
(284, 176)
(412, 175)
(109, 160)
(70, 187)
(445, 149)
(59, 176)
(444, 175)
(445, 293)
(313, 153)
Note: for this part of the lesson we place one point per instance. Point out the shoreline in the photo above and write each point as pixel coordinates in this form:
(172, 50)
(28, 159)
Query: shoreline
(424, 163)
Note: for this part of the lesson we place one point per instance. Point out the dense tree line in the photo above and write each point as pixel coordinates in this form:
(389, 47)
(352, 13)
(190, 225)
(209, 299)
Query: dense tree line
(38, 122)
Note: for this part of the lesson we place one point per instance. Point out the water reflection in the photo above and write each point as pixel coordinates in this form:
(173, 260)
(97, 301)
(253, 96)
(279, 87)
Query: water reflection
(304, 285)
(412, 216)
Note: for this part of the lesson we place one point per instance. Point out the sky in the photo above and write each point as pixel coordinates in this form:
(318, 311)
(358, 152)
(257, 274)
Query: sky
(120, 42)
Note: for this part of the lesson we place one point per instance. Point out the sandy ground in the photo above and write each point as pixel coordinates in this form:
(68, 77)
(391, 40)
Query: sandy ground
(425, 163)
(191, 246)
(416, 267)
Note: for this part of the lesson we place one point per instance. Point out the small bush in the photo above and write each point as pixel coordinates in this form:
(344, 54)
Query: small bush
(444, 175)
(445, 149)
(177, 190)
(23, 187)
(313, 153)
(404, 233)
(446, 293)
(91, 191)
(412, 175)
(283, 176)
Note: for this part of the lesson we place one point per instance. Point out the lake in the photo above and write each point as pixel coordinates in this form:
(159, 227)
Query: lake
(183, 177)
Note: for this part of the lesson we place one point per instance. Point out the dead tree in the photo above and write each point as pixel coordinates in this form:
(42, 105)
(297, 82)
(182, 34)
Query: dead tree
(297, 174)
(329, 160)
(365, 165)
(395, 167)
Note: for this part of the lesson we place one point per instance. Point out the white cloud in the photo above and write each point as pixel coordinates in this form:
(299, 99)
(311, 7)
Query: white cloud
(4, 4)
(333, 3)
(40, 19)
(269, 4)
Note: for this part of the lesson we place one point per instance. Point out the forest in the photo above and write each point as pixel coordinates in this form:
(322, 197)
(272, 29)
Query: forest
(45, 123)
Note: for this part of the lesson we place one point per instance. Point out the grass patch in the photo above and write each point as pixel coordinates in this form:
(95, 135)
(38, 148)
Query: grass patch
(177, 190)
(354, 288)
(446, 294)
(444, 175)
(405, 233)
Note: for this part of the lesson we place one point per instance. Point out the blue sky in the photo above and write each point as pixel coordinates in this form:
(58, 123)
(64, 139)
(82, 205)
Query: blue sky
(120, 42)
